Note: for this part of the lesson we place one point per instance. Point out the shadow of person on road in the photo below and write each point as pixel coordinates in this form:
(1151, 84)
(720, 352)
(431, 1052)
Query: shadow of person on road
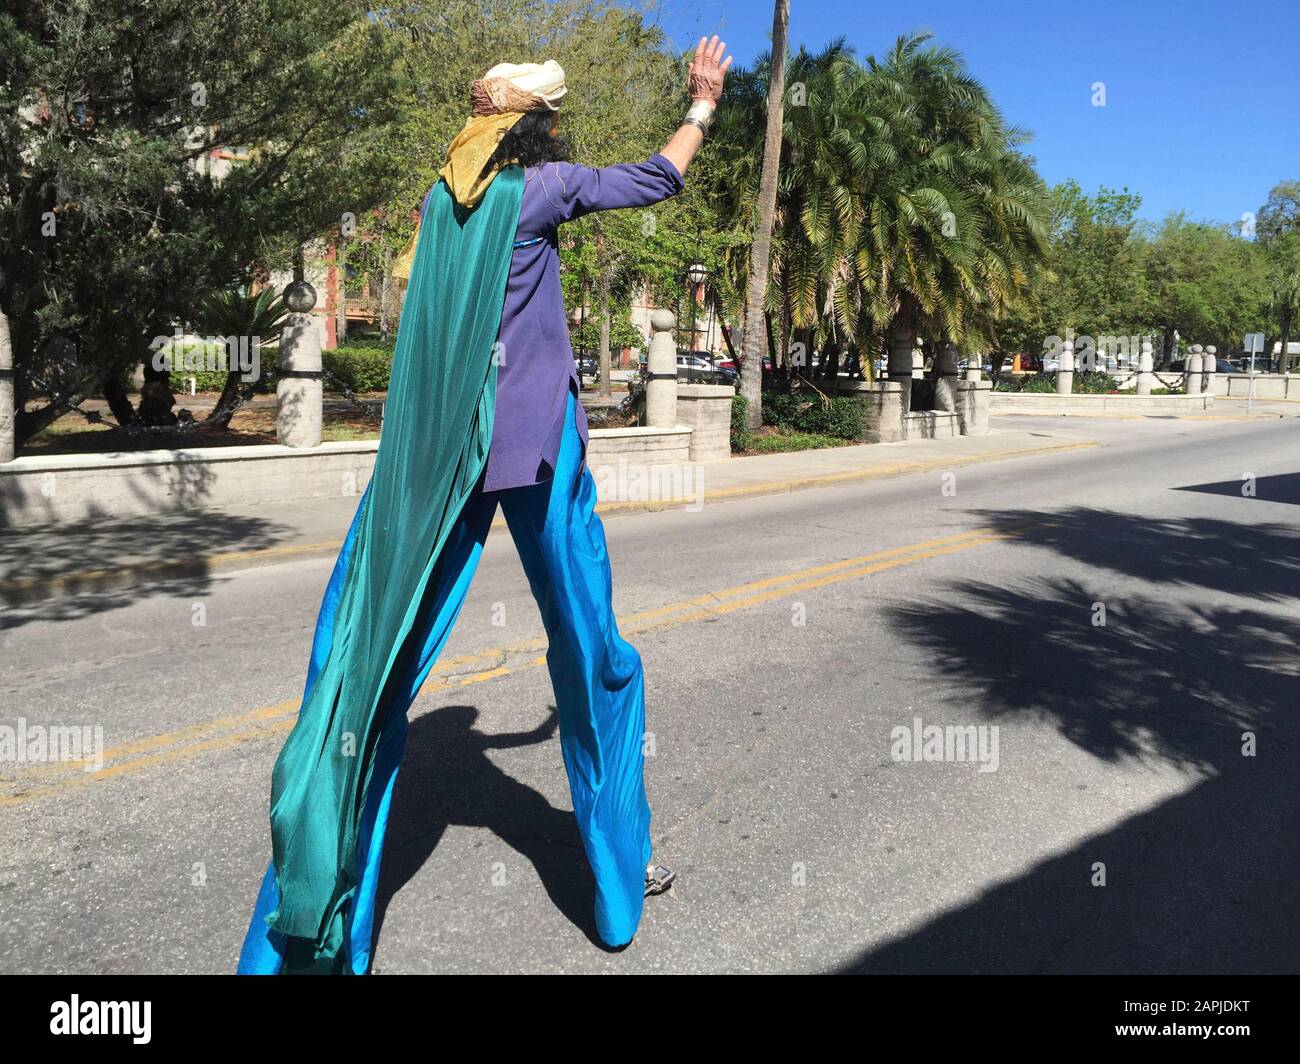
(447, 779)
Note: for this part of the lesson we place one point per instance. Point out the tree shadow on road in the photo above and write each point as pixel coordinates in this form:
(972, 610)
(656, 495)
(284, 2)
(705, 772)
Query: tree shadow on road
(63, 572)
(1207, 881)
(1255, 560)
(448, 779)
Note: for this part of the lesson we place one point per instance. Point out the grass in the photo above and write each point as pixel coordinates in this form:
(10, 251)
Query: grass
(338, 432)
(781, 441)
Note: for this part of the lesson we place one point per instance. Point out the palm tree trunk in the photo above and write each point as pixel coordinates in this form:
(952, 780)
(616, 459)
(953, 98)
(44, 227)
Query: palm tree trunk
(385, 288)
(751, 375)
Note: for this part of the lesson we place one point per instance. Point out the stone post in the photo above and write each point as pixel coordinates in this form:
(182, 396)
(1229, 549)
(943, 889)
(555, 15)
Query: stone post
(298, 413)
(973, 400)
(1193, 369)
(902, 359)
(1209, 366)
(1065, 375)
(946, 376)
(706, 410)
(884, 408)
(661, 372)
(1146, 364)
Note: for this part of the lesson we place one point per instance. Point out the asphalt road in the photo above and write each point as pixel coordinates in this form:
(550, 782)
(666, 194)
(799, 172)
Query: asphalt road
(1121, 828)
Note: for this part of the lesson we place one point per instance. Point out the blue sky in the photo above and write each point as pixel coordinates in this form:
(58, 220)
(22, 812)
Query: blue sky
(1200, 115)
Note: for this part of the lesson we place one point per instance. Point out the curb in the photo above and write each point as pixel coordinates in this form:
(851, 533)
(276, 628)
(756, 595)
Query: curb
(39, 588)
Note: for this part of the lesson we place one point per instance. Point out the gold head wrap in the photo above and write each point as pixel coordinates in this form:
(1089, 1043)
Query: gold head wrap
(499, 99)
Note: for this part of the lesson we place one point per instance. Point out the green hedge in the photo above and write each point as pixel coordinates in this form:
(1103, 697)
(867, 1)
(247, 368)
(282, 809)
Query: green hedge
(213, 380)
(362, 369)
(740, 435)
(1085, 383)
(1094, 383)
(809, 413)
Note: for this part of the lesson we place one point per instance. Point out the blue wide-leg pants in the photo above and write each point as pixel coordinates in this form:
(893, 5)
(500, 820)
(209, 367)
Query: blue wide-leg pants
(599, 695)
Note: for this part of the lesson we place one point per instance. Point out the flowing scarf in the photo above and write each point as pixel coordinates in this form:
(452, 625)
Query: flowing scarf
(437, 430)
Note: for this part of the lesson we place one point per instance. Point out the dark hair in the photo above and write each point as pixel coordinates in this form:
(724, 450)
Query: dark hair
(529, 142)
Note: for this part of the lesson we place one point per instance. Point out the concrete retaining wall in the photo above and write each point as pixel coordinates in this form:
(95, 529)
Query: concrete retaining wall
(639, 446)
(61, 489)
(57, 489)
(1046, 403)
(1267, 385)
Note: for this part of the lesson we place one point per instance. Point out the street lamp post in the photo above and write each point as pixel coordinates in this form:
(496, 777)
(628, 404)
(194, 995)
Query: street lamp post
(696, 274)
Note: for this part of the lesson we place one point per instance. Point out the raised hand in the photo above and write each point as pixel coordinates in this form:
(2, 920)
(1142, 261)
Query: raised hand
(708, 70)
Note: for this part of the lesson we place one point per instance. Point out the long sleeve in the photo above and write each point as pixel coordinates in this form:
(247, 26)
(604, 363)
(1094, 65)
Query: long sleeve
(569, 191)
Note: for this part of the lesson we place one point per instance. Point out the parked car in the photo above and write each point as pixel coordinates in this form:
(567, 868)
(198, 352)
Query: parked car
(739, 363)
(587, 365)
(729, 368)
(1240, 363)
(1221, 365)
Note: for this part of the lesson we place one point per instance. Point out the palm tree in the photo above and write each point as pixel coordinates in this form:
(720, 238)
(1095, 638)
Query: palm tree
(956, 227)
(816, 279)
(812, 280)
(903, 208)
(239, 315)
(752, 344)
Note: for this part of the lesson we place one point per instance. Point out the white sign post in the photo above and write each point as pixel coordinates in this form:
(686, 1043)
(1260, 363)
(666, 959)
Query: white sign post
(1254, 343)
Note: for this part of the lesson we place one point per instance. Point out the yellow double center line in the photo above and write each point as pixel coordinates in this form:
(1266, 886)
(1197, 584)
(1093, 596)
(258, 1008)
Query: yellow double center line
(196, 740)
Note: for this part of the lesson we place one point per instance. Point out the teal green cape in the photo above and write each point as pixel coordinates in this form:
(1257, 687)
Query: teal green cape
(437, 429)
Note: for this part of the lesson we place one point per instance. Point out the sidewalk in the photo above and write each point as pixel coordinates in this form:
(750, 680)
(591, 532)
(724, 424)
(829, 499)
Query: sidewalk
(192, 545)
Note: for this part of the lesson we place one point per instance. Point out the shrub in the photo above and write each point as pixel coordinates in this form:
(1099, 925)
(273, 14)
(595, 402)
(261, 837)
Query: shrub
(740, 435)
(781, 408)
(1088, 382)
(810, 413)
(199, 354)
(1029, 382)
(362, 369)
(1095, 383)
(368, 341)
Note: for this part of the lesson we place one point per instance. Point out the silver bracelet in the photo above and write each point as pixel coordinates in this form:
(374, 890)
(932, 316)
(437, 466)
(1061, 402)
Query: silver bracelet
(700, 114)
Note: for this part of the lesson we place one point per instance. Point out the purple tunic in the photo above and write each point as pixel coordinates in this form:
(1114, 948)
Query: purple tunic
(537, 371)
